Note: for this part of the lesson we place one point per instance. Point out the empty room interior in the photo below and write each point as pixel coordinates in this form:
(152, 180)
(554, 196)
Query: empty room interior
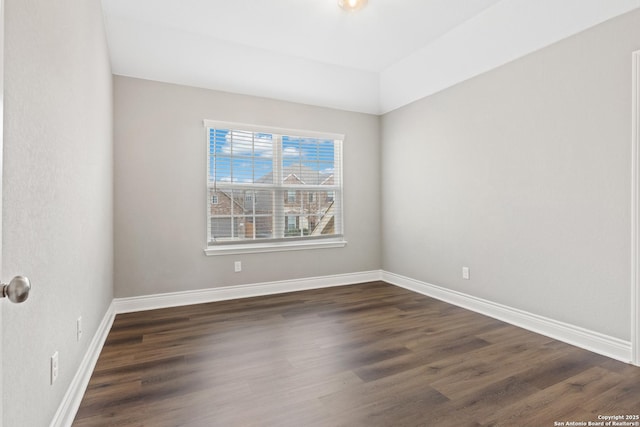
(320, 213)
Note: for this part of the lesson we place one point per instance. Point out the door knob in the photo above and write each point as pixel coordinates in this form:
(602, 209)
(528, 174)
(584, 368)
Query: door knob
(17, 290)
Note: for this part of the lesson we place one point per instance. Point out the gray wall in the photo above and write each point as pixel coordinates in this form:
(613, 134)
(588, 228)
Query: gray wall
(523, 175)
(160, 189)
(58, 198)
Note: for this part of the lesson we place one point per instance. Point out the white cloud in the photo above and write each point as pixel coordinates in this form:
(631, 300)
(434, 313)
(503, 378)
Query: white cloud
(291, 152)
(245, 145)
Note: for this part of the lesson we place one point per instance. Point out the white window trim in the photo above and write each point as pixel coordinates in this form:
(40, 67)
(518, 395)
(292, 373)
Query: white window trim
(280, 246)
(254, 248)
(273, 129)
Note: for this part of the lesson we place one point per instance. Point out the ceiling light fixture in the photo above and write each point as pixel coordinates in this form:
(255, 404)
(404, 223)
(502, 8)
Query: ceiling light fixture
(352, 5)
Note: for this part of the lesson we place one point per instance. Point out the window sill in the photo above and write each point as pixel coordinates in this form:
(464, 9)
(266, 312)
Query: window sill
(255, 248)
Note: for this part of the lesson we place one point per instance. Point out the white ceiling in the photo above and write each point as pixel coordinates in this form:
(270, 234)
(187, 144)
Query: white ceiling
(372, 39)
(310, 51)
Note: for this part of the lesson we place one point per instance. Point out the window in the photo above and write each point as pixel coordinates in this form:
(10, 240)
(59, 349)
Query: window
(330, 196)
(291, 222)
(274, 183)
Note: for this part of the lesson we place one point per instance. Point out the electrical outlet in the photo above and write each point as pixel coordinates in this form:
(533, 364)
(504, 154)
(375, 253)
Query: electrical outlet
(465, 273)
(238, 266)
(54, 367)
(79, 328)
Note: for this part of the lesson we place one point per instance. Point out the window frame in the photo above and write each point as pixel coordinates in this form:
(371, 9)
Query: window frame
(282, 243)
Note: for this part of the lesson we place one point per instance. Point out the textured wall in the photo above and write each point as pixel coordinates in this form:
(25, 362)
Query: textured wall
(160, 189)
(58, 198)
(522, 174)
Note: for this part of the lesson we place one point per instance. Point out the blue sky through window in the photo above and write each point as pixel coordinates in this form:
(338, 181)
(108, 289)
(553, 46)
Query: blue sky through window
(247, 157)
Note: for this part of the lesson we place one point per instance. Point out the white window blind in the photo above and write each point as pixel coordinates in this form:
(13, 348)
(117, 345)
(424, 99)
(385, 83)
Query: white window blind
(272, 185)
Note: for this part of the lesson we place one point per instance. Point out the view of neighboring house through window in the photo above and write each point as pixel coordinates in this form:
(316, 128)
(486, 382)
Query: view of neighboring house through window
(266, 185)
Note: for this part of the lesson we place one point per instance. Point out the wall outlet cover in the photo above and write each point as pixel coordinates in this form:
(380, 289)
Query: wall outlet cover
(54, 367)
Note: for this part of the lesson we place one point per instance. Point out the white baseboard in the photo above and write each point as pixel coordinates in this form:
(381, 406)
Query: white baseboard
(175, 299)
(590, 340)
(71, 401)
(593, 341)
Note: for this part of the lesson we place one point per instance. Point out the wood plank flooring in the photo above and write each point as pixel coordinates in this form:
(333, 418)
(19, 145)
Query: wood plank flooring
(362, 355)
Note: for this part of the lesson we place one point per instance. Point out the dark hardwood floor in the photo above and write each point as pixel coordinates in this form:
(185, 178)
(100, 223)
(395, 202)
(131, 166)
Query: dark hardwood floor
(363, 355)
